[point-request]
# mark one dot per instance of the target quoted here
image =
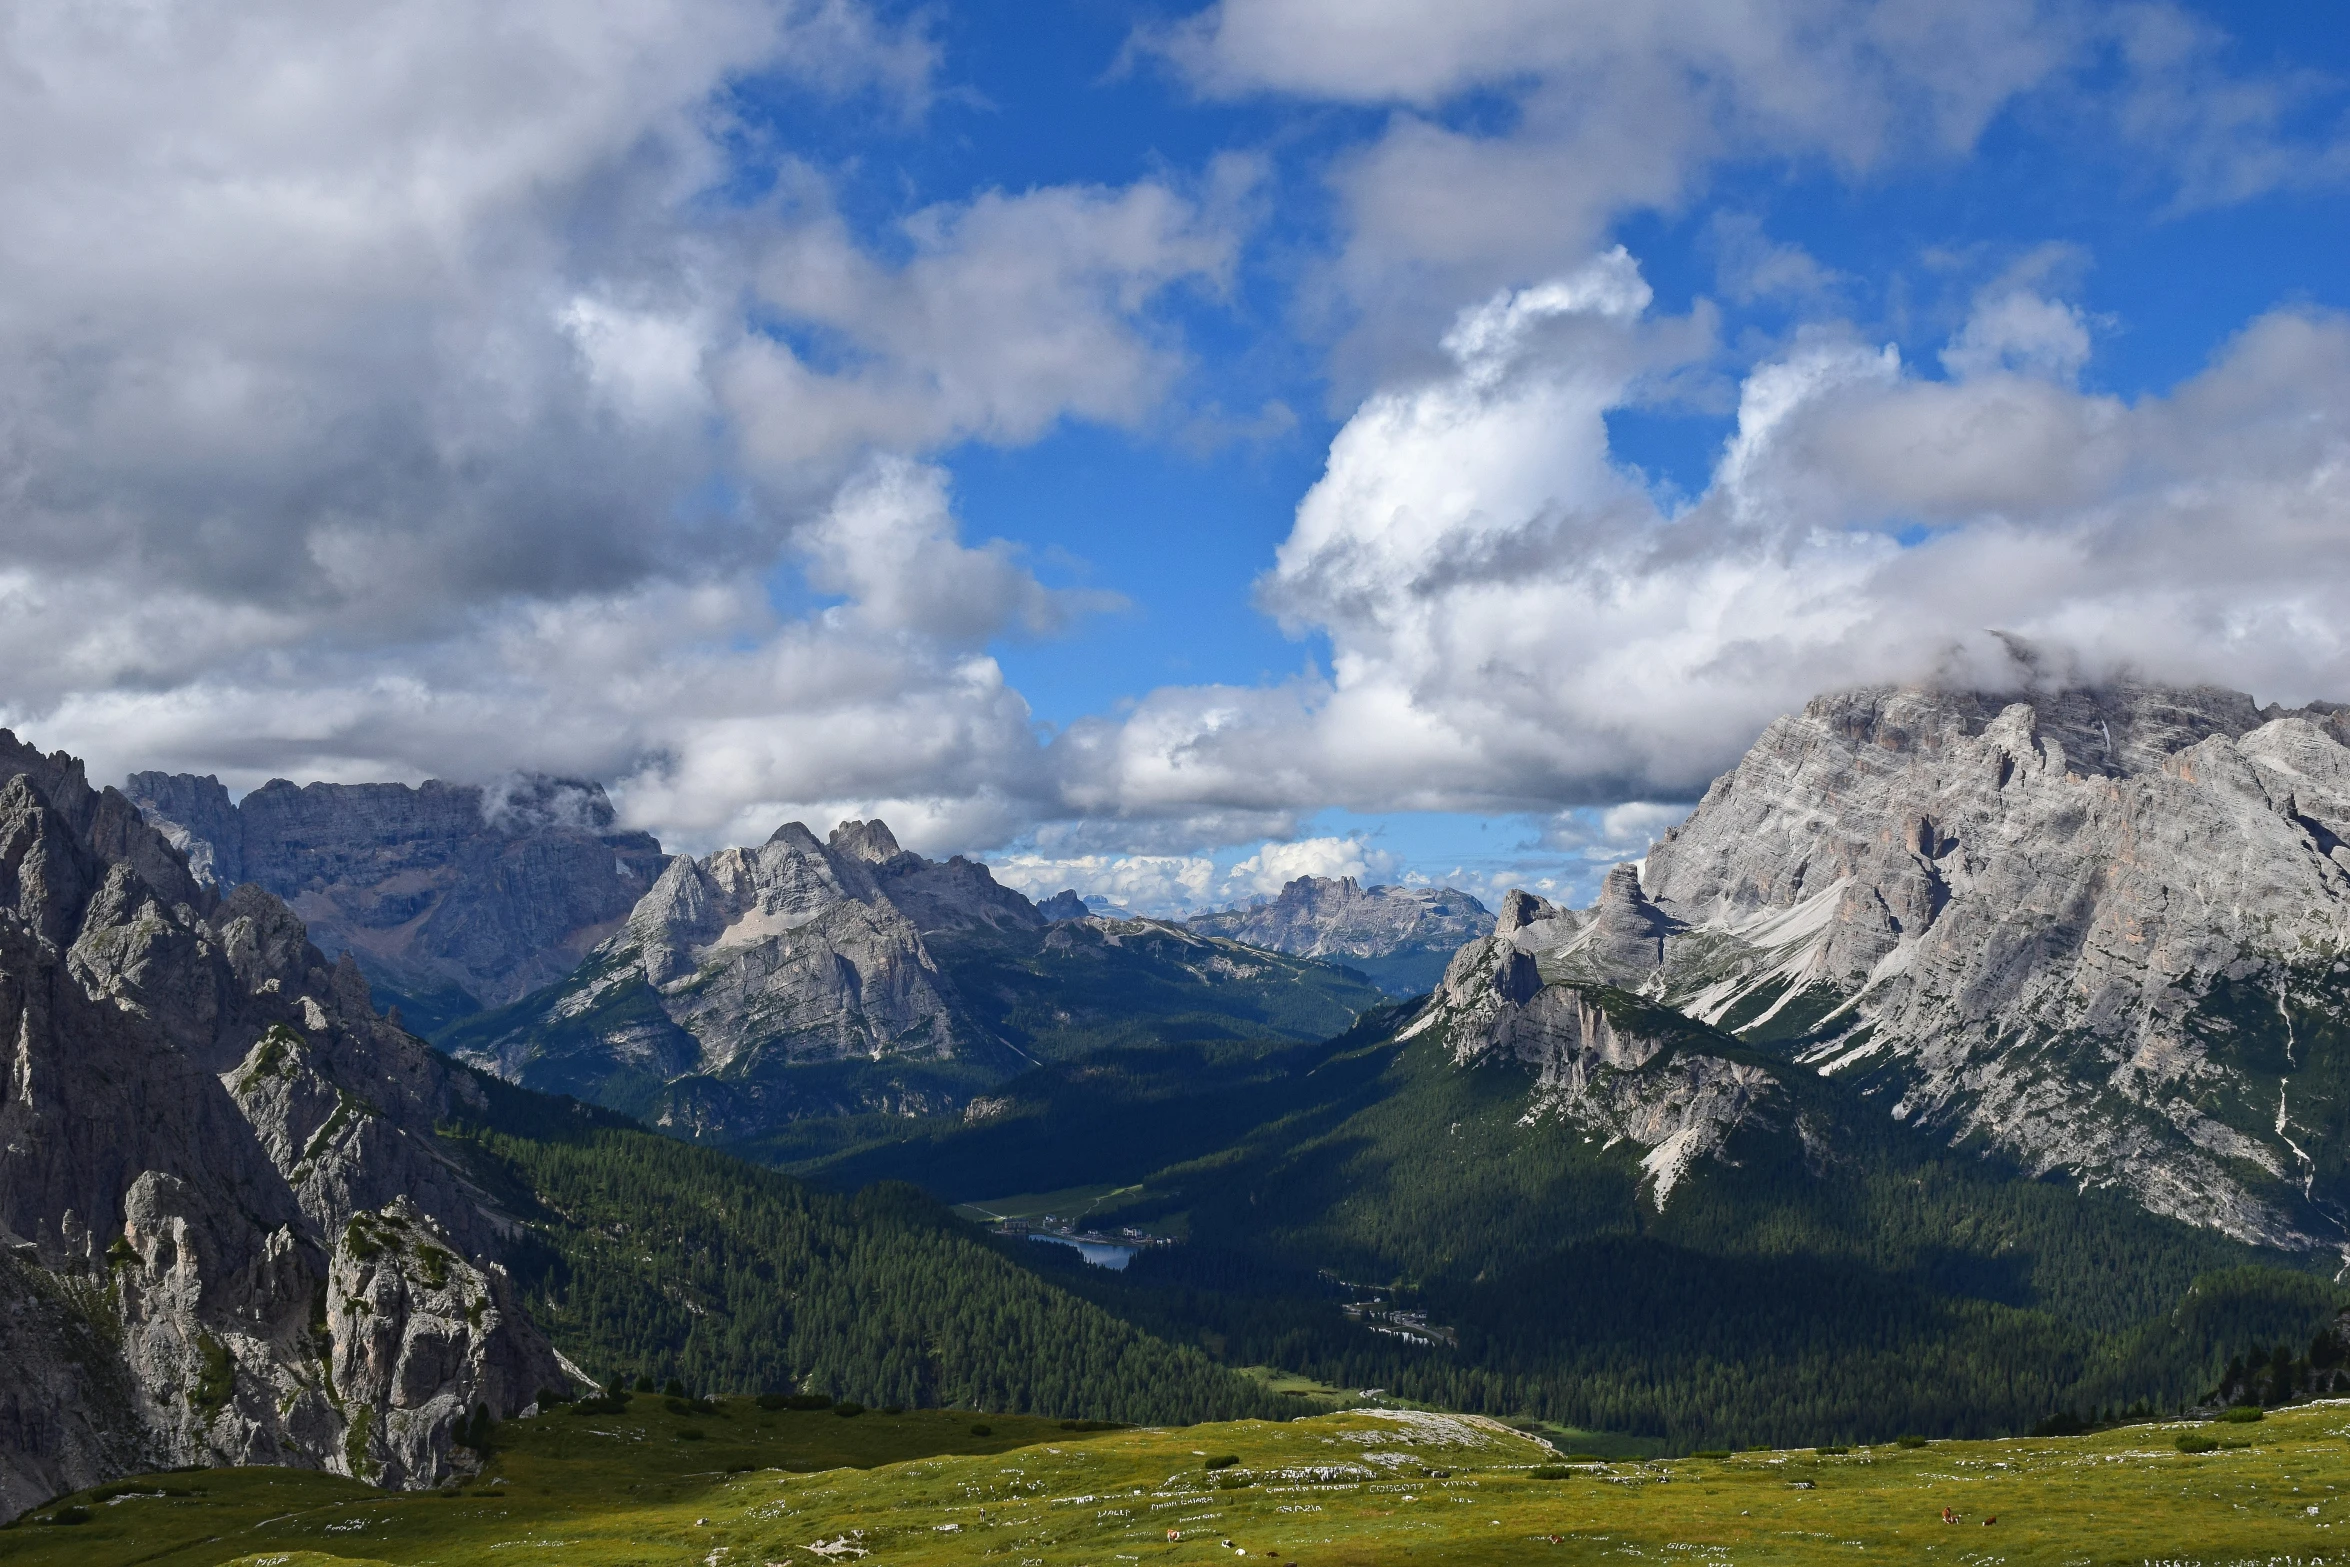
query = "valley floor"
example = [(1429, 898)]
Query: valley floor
[(1358, 1487)]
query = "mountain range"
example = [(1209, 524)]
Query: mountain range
[(1998, 1033), (2100, 931), (244, 1219), (1963, 1057), (1402, 937)]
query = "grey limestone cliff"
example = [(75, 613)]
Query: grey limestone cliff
[(200, 1110), (451, 897), (2100, 931), (1401, 937), (1601, 1062)]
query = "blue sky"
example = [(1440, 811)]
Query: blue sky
[(1162, 447)]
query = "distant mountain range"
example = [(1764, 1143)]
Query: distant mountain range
[(823, 977), (1401, 937), (726, 996), (1963, 1057)]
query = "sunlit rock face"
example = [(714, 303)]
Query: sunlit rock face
[(198, 1107), (2101, 931)]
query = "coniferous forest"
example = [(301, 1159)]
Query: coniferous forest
[(651, 1257)]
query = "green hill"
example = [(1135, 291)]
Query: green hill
[(732, 1482)]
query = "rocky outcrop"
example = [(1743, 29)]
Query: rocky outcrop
[(1620, 940), (1600, 1061), (1401, 937), (2102, 931), (452, 897), (198, 1104)]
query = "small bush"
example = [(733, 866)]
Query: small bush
[(1552, 1472), (1909, 1441), (1236, 1480), (983, 1430), (671, 1389), (1712, 1452), (475, 1433), (68, 1515), (1831, 1452), (1092, 1425), (846, 1409), (600, 1404), (774, 1401), (1225, 1462), (2196, 1442), (689, 1433), (1585, 1458), (678, 1406), (893, 1410), (216, 1382), (807, 1401), (644, 1384), (2242, 1415)]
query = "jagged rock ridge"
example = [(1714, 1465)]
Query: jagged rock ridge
[(229, 1234), (1401, 936), (2102, 931), (454, 897)]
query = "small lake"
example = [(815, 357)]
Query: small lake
[(1100, 1253)]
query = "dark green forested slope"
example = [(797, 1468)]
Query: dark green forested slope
[(1843, 1278), (646, 1255)]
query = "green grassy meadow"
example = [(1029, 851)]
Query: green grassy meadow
[(1357, 1487)]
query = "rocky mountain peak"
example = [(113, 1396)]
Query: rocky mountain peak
[(1064, 905), (870, 841), (796, 837), (1600, 1062), (2097, 928), (1521, 909), (749, 962)]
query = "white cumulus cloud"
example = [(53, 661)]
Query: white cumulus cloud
[(1515, 624)]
